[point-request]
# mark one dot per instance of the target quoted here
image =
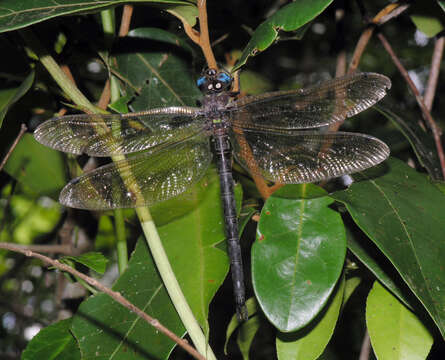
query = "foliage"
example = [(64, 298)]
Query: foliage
[(390, 219)]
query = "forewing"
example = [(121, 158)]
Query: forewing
[(140, 180), (312, 107), (105, 135), (306, 156)]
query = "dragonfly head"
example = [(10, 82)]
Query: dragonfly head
[(212, 81)]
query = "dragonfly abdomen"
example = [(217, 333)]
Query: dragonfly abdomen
[(224, 159)]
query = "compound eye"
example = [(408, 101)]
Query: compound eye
[(224, 78), (201, 81)]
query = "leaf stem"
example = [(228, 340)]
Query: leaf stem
[(150, 231), (171, 283)]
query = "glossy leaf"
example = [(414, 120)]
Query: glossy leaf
[(154, 66), (18, 14), (190, 242), (395, 332), (93, 260), (288, 18), (10, 96), (297, 258), (105, 329), (38, 167), (405, 220), (421, 142), (308, 344), (54, 342)]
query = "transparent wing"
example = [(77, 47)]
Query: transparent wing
[(105, 135), (312, 107), (143, 179), (306, 156)]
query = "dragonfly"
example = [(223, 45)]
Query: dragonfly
[(278, 136)]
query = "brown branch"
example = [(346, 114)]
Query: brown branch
[(366, 347), (204, 38), (125, 20), (360, 48), (113, 294), (434, 72), (191, 33), (66, 69), (50, 249), (23, 129), (246, 153), (201, 37), (388, 12), (105, 96), (425, 112)]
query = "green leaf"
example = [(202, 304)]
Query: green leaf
[(288, 18), (11, 95), (308, 344), (350, 286), (54, 342), (246, 334), (105, 329), (154, 66), (403, 214), (186, 13), (92, 260), (395, 332), (377, 264), (31, 219), (191, 244), (297, 258), (38, 167), (18, 14), (252, 309), (428, 17)]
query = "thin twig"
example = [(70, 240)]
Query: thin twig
[(366, 347), (113, 294), (204, 38), (105, 96), (50, 249), (23, 129), (425, 112), (125, 20), (388, 12), (191, 33), (434, 72)]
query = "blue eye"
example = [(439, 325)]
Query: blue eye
[(224, 77), (200, 81)]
